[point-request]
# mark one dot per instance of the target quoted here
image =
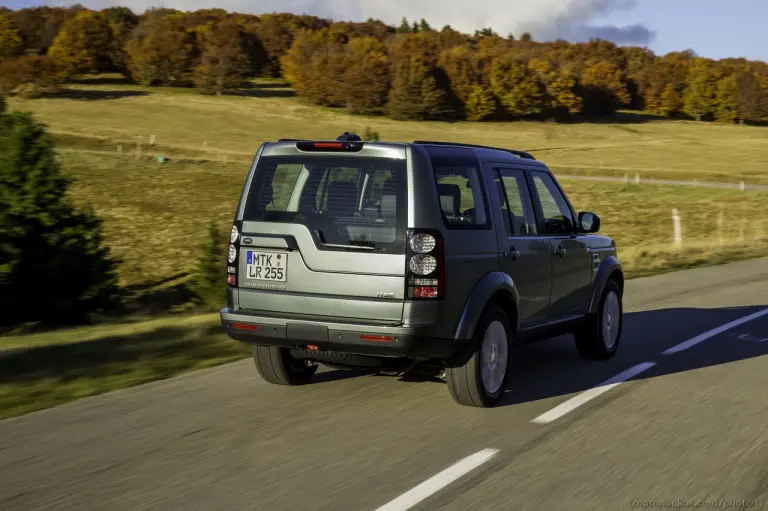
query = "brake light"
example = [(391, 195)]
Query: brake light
[(342, 147), (425, 270)]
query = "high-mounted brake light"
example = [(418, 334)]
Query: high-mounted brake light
[(425, 270), (341, 147)]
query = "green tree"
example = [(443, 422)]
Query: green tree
[(481, 104), (83, 45), (405, 27), (11, 45), (671, 101), (424, 26), (224, 63), (208, 284), (53, 265), (562, 96), (700, 96)]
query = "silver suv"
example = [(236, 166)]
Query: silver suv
[(423, 256)]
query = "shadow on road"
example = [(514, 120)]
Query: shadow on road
[(554, 368)]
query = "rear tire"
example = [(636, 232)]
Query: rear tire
[(277, 366), (599, 338), (482, 381)]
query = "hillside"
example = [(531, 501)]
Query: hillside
[(149, 206)]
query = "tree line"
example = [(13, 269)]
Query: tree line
[(412, 71)]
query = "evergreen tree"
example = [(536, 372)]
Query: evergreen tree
[(53, 266), (209, 282), (404, 27)]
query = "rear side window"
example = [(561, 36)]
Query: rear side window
[(344, 201), (459, 187)]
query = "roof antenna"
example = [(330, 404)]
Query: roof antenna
[(349, 137)]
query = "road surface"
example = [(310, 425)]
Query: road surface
[(692, 427)]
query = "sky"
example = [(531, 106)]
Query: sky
[(712, 28)]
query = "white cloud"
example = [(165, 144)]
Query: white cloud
[(545, 19)]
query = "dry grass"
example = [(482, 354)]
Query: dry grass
[(59, 367), (155, 213)]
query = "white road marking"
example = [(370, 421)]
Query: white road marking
[(592, 393), (439, 481), (715, 331)]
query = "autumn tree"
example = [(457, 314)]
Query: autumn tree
[(366, 78), (671, 102), (83, 44), (29, 76), (603, 88), (740, 98), (224, 63), (518, 87), (10, 39), (122, 21), (39, 26), (700, 96), (165, 56), (420, 88)]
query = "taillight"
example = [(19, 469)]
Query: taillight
[(425, 265), (232, 254)]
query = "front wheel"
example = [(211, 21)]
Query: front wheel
[(277, 366), (482, 381), (599, 338)]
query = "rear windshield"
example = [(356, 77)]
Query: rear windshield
[(345, 201)]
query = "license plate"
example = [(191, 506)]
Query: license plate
[(271, 266)]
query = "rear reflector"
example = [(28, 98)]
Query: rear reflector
[(312, 347), (244, 326), (376, 338), (231, 280)]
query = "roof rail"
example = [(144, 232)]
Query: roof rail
[(521, 154)]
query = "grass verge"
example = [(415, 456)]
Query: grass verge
[(45, 370)]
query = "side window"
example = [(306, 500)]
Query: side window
[(557, 215), (517, 206), (461, 195)]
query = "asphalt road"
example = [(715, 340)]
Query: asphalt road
[(693, 427)]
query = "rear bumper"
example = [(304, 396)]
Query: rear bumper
[(361, 339)]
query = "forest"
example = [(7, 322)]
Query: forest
[(407, 72)]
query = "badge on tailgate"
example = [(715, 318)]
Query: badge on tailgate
[(270, 266)]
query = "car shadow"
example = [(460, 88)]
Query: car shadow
[(553, 367)]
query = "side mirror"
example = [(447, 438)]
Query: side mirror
[(589, 222)]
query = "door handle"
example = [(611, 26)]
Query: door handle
[(560, 251), (514, 254)]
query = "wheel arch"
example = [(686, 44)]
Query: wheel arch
[(495, 288), (610, 269)]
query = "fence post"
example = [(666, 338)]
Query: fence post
[(676, 231), (742, 187), (152, 140), (637, 179)]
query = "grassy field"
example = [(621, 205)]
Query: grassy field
[(156, 213)]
